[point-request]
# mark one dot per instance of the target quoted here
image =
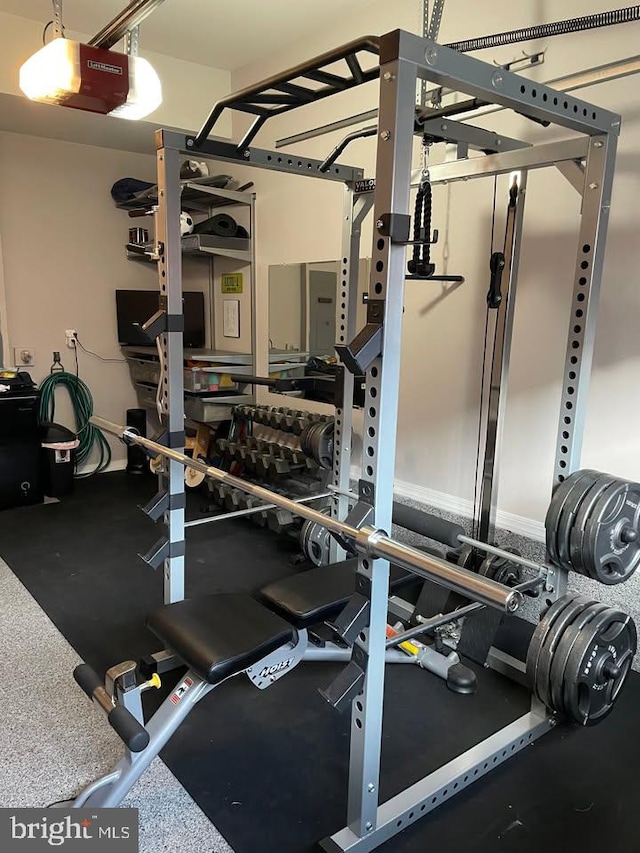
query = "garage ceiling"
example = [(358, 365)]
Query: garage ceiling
[(222, 33)]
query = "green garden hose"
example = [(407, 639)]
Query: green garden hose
[(89, 436)]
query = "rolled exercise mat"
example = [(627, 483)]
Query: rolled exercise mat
[(220, 225)]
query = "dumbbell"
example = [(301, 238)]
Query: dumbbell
[(276, 417), (277, 467), (248, 501), (279, 520), (232, 500), (219, 491)]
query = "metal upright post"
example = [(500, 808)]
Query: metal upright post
[(356, 208), (255, 366), (171, 343), (596, 203), (385, 306)]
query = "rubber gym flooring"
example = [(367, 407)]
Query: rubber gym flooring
[(269, 768)]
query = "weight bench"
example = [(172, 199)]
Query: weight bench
[(219, 636)]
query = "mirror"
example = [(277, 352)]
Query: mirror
[(302, 308)]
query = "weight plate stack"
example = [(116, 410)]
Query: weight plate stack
[(546, 658), (560, 654), (576, 495), (593, 526), (576, 534), (579, 657), (552, 519)]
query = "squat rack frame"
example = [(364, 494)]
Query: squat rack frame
[(588, 161)]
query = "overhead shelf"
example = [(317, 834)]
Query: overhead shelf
[(196, 196), (238, 248)]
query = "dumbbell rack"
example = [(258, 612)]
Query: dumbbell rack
[(268, 451)]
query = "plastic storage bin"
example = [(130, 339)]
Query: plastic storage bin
[(207, 380), (59, 446)]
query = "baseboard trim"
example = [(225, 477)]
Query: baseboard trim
[(461, 506), (114, 465)]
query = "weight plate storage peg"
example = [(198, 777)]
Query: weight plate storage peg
[(611, 546)]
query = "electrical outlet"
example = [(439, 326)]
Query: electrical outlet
[(24, 356), (71, 335)]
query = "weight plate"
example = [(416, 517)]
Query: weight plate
[(466, 558), (540, 635), (501, 569), (563, 650), (576, 534), (611, 547), (576, 495), (598, 666), (193, 478), (546, 658), (555, 508)]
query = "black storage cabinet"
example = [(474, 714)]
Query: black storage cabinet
[(20, 469)]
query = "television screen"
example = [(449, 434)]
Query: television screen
[(135, 307)]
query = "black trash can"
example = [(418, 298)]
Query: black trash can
[(58, 459)]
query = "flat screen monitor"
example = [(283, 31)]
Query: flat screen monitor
[(135, 307)]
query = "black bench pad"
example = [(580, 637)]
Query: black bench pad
[(319, 594), (219, 635)]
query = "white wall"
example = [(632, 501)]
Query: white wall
[(300, 220)]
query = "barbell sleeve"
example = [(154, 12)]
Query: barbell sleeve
[(368, 541), (455, 578)]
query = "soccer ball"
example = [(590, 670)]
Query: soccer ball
[(186, 224)]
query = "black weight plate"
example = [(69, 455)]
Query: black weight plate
[(540, 635), (563, 650), (571, 505), (595, 517), (608, 558), (573, 611), (553, 513), (576, 535), (555, 508), (590, 689), (493, 564)]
